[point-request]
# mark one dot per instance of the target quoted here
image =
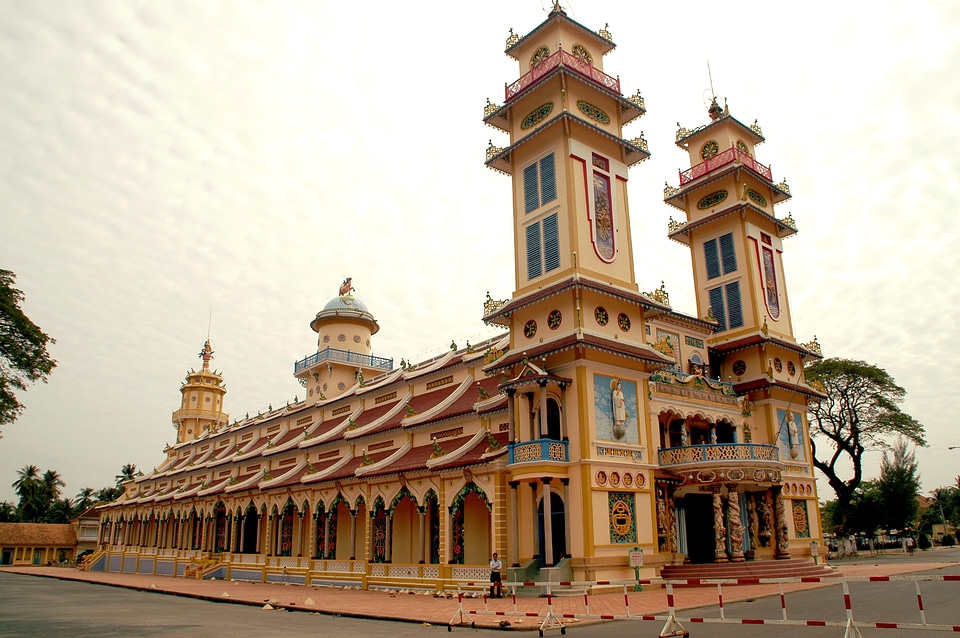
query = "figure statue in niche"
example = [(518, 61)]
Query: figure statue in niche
[(684, 437), (346, 287), (793, 436), (619, 409)]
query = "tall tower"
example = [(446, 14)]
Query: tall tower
[(201, 401), (578, 357), (736, 245)]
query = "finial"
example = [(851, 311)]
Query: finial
[(206, 354), (346, 287)]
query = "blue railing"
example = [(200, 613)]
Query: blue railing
[(718, 452), (539, 450), (343, 356)]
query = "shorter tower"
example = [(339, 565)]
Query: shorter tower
[(201, 401), (344, 328)]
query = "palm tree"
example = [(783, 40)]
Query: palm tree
[(8, 512), (127, 473), (52, 482), (61, 511), (85, 499), (28, 487)]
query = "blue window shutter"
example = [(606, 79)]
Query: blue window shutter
[(548, 180), (531, 188), (551, 243), (716, 304), (734, 309), (534, 268), (728, 254), (713, 262)]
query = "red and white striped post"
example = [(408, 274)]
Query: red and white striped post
[(851, 630)]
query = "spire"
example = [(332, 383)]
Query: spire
[(206, 354)]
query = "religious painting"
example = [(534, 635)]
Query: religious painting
[(602, 217), (623, 518), (790, 435), (669, 344), (769, 273), (801, 520), (616, 409)]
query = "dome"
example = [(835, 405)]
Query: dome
[(346, 302)]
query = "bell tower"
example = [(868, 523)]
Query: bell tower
[(201, 401)]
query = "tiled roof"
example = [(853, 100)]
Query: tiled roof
[(37, 535)]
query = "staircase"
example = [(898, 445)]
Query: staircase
[(789, 568)]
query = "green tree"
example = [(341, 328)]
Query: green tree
[(861, 412), (60, 511), (127, 473), (8, 512), (29, 487), (865, 514), (23, 350), (899, 486), (84, 499)]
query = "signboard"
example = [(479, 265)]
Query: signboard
[(636, 557)]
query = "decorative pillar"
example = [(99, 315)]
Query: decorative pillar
[(673, 531), (326, 535), (753, 524), (720, 530), (547, 522), (564, 434), (371, 550), (536, 530), (543, 410), (736, 525), (511, 416), (243, 529), (388, 538), (566, 515), (422, 515), (513, 549), (296, 550), (780, 523), (353, 535)]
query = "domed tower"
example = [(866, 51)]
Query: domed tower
[(343, 358), (201, 402)]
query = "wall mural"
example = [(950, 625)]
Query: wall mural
[(770, 283), (790, 435), (623, 519), (602, 217), (615, 405)]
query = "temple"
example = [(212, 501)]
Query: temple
[(599, 421)]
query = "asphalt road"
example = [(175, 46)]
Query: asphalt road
[(31, 606)]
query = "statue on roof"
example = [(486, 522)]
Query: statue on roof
[(346, 287), (206, 354)]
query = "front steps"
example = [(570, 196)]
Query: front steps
[(789, 568)]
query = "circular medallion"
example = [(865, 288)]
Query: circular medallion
[(601, 478), (340, 386), (739, 367), (736, 474), (778, 364), (326, 338), (709, 149), (600, 314), (341, 337), (624, 322), (356, 338), (627, 479), (742, 147), (324, 387), (530, 329), (615, 479), (641, 479), (621, 518), (791, 369), (593, 112), (555, 319)]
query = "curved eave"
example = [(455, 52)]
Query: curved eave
[(766, 382), (576, 282), (514, 384), (682, 233), (758, 338), (606, 45), (755, 137), (593, 342), (348, 315), (501, 161), (676, 199)]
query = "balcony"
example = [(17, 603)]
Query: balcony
[(343, 356), (720, 160), (539, 450), (735, 454), (568, 61)]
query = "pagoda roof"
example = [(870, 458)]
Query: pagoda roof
[(680, 232), (555, 15), (645, 353), (752, 132), (766, 382), (757, 338)]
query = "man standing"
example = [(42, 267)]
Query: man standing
[(496, 585)]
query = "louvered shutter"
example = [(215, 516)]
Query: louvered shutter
[(551, 243), (548, 180), (713, 261), (734, 309), (531, 188), (534, 268), (716, 304), (728, 254)]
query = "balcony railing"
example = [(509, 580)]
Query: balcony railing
[(722, 452), (568, 60), (343, 356), (539, 450), (722, 159)]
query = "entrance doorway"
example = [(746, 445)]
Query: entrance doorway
[(701, 539), (559, 530)]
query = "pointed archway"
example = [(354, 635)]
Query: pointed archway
[(558, 531)]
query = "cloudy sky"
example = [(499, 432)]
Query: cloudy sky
[(163, 163)]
